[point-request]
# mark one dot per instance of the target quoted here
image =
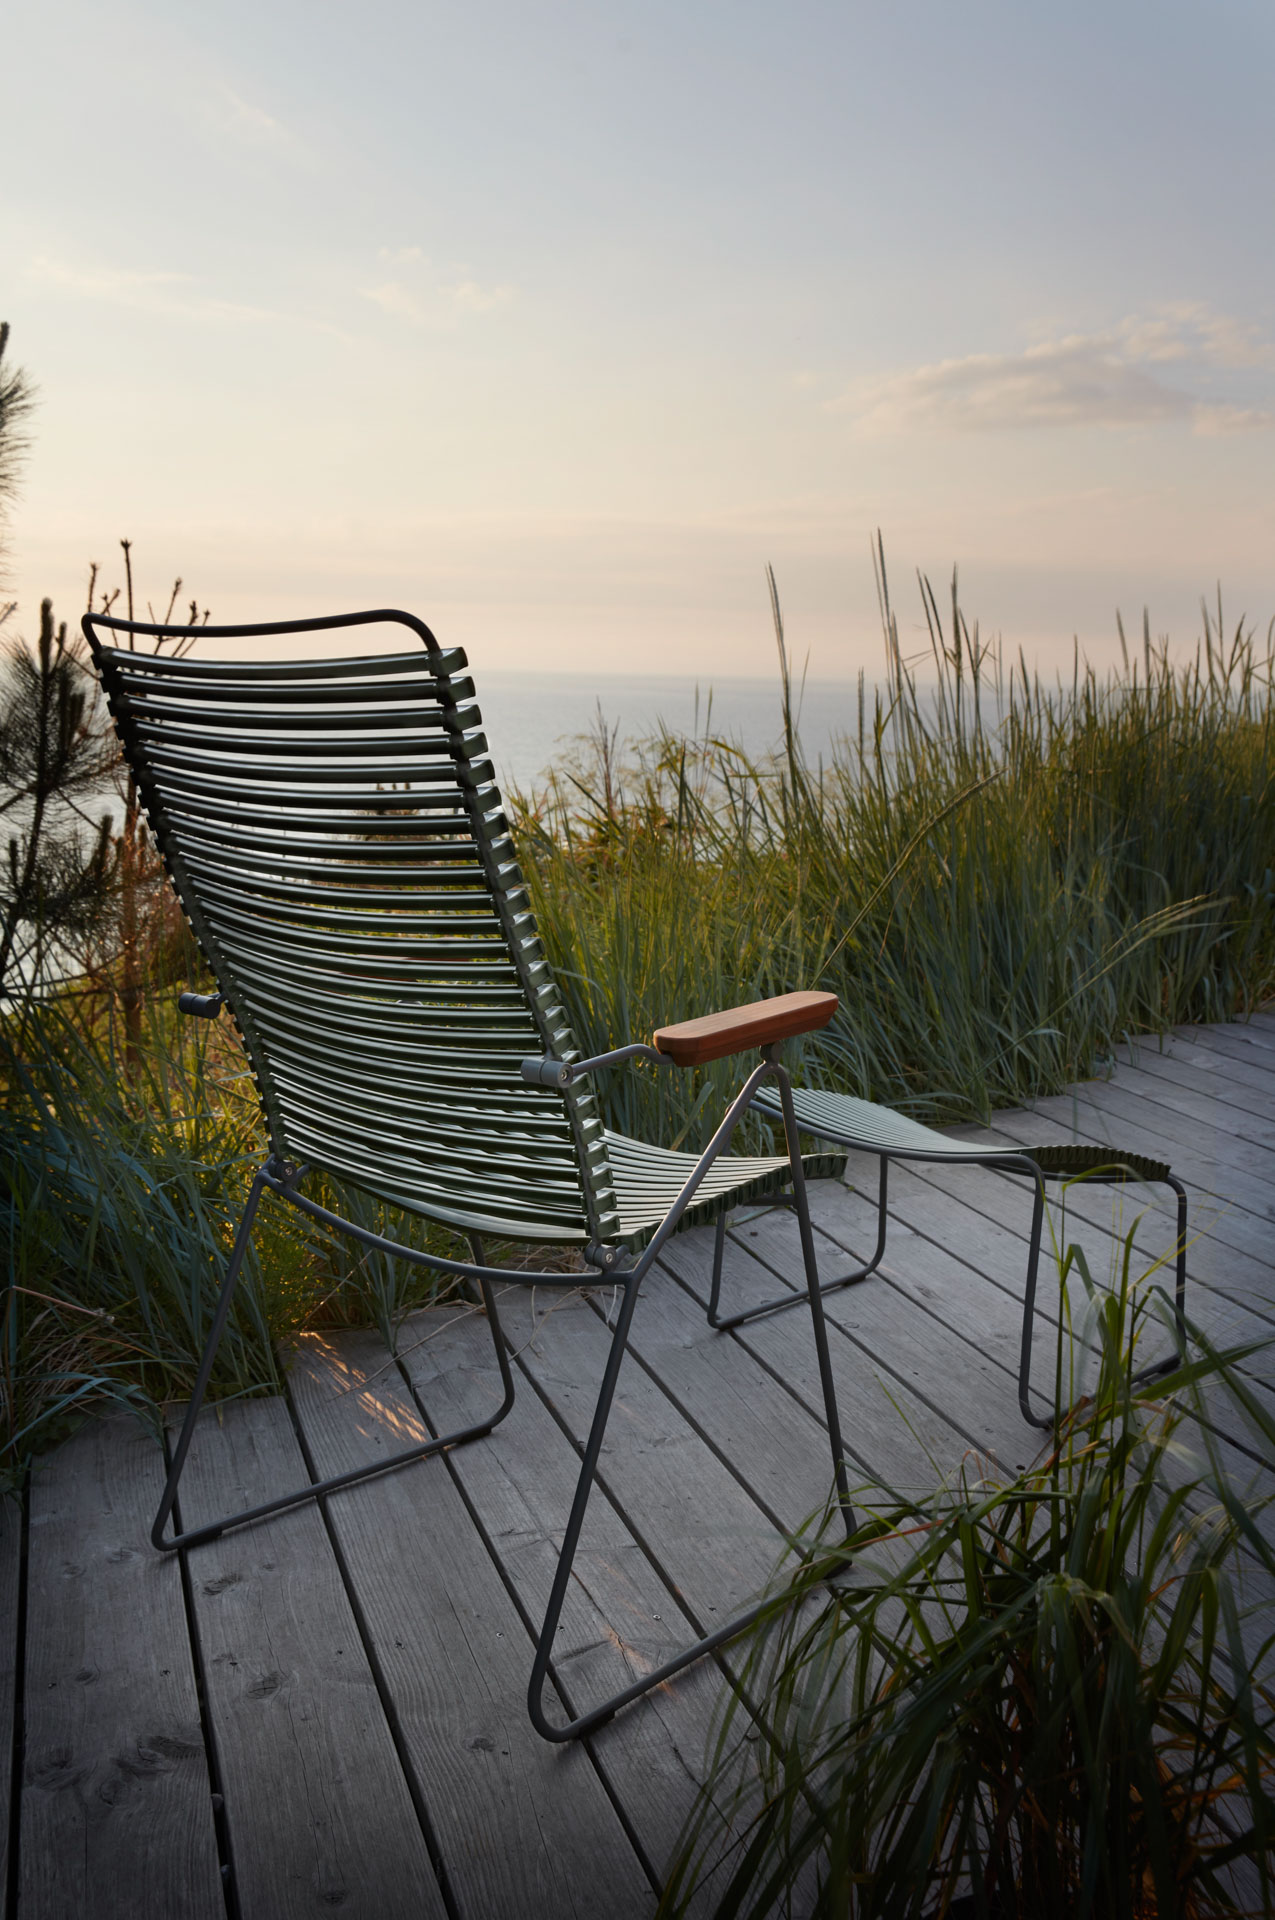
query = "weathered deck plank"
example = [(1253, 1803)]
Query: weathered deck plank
[(117, 1813), (1233, 1040), (318, 1811), (619, 1616), (515, 1819), (890, 1434), (1236, 1082), (1202, 1153), (761, 1430), (1098, 1218), (977, 1216), (10, 1603), (1226, 1201), (1201, 1102), (988, 1317), (709, 1538), (915, 1350), (365, 1668)]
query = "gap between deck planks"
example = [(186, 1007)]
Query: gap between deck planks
[(363, 1667)]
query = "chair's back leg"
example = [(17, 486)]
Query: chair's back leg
[(719, 1255), (238, 1254), (806, 1232), (1179, 1291), (883, 1201)]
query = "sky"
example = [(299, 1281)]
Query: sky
[(556, 323)]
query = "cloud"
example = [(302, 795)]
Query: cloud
[(432, 302), (229, 116), (393, 297), (253, 124), (466, 296), (415, 295), (176, 296), (1108, 379), (1187, 330)]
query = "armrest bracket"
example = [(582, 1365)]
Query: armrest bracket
[(548, 1072)]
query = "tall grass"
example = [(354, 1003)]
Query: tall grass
[(997, 875), (124, 1169)]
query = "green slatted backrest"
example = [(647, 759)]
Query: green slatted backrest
[(335, 834)]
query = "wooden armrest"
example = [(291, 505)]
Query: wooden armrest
[(692, 1042)]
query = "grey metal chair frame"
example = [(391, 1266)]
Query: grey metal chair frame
[(163, 740), (817, 1113)]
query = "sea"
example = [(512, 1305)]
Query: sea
[(534, 720)]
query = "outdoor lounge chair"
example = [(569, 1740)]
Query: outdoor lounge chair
[(335, 835), (862, 1126)]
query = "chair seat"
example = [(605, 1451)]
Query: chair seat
[(647, 1180), (874, 1129)]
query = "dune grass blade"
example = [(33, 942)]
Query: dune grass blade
[(999, 877), (121, 1193), (1049, 1695)]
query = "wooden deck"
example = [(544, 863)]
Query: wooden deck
[(325, 1713)]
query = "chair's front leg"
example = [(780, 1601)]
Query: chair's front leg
[(598, 1716), (1155, 1367), (1178, 1355), (724, 1324), (488, 1298), (1029, 1299), (807, 1237), (1179, 1291), (584, 1723), (719, 1255), (631, 1282)]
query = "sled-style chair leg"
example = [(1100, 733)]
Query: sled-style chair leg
[(724, 1322), (1029, 1307), (864, 1126), (209, 1530), (1155, 1368), (586, 1722)]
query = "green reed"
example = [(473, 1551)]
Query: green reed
[(1051, 1694), (122, 1183), (998, 876)]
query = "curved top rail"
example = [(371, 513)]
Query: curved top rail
[(321, 624), (365, 919)]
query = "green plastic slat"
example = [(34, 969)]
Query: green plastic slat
[(336, 836)]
